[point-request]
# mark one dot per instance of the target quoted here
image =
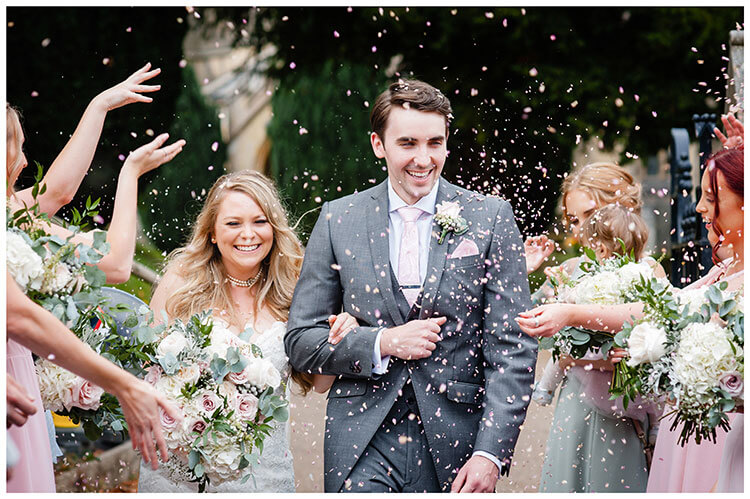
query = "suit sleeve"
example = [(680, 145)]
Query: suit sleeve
[(318, 294), (509, 354)]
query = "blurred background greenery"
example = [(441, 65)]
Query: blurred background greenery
[(527, 86)]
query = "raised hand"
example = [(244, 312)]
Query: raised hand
[(20, 405), (150, 156), (544, 320), (537, 249), (413, 340), (141, 405), (129, 90), (340, 326), (735, 132)]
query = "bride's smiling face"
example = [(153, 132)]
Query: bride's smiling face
[(243, 235)]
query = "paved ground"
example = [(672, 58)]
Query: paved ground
[(307, 427)]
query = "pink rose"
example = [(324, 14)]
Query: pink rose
[(86, 395), (167, 422), (247, 406), (239, 378), (209, 402), (153, 375), (732, 383), (198, 426)]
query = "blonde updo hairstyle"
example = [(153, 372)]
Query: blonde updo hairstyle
[(606, 183), (613, 223), (14, 146)]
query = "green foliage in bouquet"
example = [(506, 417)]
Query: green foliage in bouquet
[(700, 410), (64, 279)]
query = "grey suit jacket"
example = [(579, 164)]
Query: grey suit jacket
[(474, 389)]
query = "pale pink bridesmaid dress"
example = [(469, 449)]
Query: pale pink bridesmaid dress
[(34, 472), (692, 468)]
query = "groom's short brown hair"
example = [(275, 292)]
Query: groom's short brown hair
[(414, 94)]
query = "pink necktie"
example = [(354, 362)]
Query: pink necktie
[(408, 256)]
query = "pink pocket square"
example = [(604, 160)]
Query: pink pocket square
[(467, 247)]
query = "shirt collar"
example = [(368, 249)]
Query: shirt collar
[(426, 203)]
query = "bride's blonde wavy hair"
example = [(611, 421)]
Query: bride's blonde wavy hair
[(199, 263)]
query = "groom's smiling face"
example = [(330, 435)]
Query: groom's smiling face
[(414, 147)]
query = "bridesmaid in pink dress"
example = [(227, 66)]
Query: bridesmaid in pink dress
[(694, 467), (31, 438)]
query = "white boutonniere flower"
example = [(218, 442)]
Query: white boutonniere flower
[(448, 218)]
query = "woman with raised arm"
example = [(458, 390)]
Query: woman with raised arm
[(692, 468), (116, 265), (65, 174), (242, 261)]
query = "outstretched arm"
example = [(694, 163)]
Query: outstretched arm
[(38, 330), (121, 234), (546, 320), (318, 295), (67, 171)]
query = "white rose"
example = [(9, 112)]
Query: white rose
[(174, 344), (22, 262), (601, 288), (220, 340), (262, 373), (228, 390), (169, 386), (448, 208), (646, 344), (188, 374)]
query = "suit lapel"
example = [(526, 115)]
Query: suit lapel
[(377, 223), (438, 252)]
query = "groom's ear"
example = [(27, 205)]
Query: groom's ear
[(377, 145)]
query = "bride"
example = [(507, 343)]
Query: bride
[(242, 261)]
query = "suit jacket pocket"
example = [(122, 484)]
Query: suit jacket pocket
[(464, 262), (347, 388), (465, 393)]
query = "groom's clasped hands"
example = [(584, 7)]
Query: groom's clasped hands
[(413, 340)]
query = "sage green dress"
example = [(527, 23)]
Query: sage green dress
[(589, 451)]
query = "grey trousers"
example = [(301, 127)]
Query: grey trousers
[(397, 459)]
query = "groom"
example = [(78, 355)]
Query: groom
[(433, 386)]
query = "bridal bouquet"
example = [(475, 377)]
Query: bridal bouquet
[(689, 347), (228, 394), (61, 276), (611, 282)]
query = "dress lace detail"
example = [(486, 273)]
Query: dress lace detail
[(274, 472)]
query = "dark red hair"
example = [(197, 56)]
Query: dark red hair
[(731, 163)]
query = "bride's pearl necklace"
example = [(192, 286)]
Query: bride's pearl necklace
[(246, 283)]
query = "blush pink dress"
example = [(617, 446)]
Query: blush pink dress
[(692, 468), (34, 472)]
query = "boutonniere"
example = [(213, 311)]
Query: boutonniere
[(448, 218)]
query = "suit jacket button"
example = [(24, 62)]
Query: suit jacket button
[(355, 367)]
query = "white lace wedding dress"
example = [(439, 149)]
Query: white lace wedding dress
[(274, 473)]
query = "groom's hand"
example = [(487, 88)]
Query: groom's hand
[(479, 474), (413, 340)]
